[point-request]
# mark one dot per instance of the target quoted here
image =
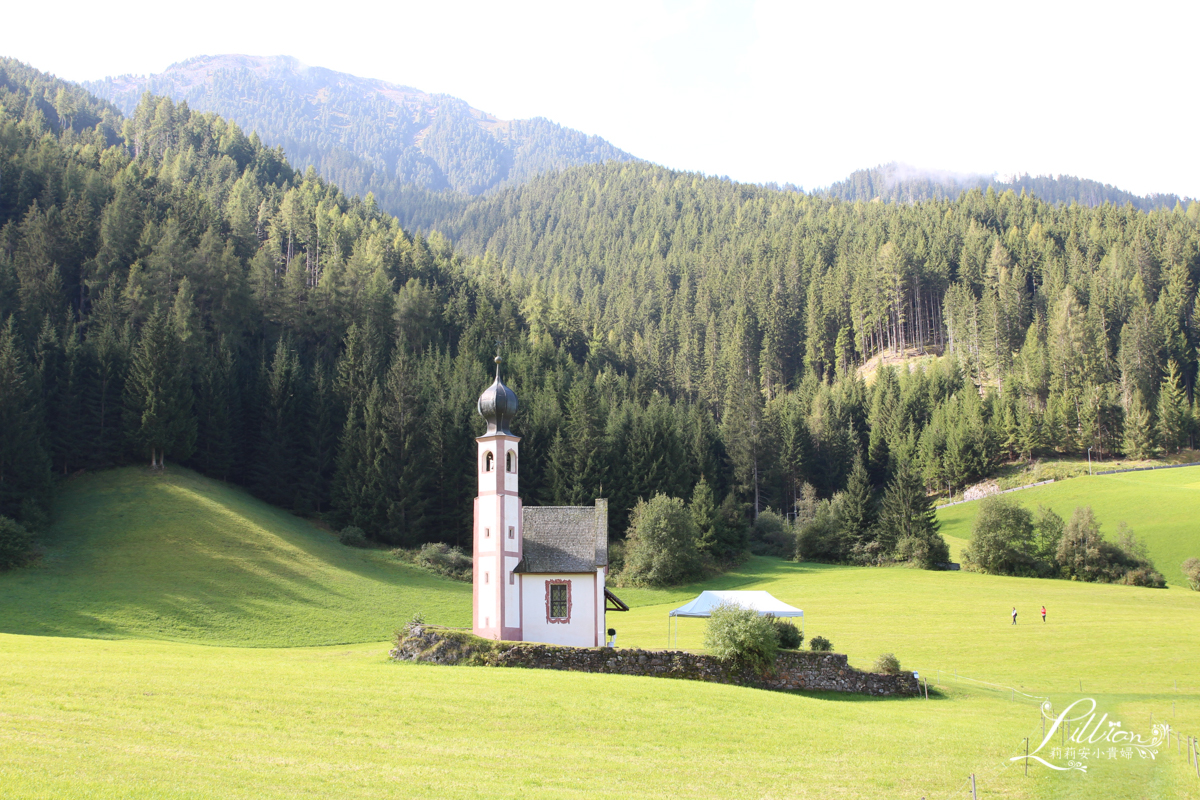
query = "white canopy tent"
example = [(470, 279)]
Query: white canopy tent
[(703, 606)]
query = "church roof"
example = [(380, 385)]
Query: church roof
[(497, 404), (564, 538)]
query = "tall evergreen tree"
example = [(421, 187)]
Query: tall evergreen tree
[(1174, 413), (24, 465), (908, 525), (1138, 441), (855, 513), (158, 396)]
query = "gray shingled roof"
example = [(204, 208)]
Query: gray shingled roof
[(564, 538)]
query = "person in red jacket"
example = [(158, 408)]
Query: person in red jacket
[(1043, 613)]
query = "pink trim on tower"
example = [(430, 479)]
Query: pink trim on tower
[(558, 620)]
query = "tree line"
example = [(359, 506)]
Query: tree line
[(172, 289)]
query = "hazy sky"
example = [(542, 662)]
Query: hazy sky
[(760, 91)]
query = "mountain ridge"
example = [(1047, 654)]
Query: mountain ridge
[(401, 144), (903, 183), (366, 134)]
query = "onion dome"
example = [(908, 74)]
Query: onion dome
[(498, 404)]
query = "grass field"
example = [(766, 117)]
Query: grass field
[(182, 557), (126, 713), (1161, 506)]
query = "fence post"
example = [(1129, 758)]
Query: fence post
[(973, 795), (1026, 756)]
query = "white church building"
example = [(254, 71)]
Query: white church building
[(538, 572)]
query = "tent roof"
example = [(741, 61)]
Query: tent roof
[(762, 602)]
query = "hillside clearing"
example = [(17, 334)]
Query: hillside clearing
[(1162, 507)]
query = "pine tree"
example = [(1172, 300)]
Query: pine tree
[(1138, 442), (406, 477), (323, 432), (1030, 432), (908, 524), (703, 509), (278, 464), (1174, 413), (583, 430), (360, 483), (158, 396), (217, 420), (24, 465), (855, 512)]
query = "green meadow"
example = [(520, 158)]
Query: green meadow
[(186, 558), (175, 642), (1162, 507)]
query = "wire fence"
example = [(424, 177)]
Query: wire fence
[(937, 678), (1143, 469), (988, 775)]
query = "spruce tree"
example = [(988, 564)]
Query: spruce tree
[(703, 509), (158, 396), (405, 475), (323, 418), (855, 511), (24, 465), (908, 525), (1030, 432), (1138, 441), (1174, 413), (278, 464)]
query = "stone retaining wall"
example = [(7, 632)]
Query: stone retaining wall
[(794, 670)]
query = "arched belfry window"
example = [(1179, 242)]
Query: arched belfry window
[(489, 462), (510, 462)]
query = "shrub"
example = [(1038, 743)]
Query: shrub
[(353, 536), (1002, 538), (1191, 571), (1084, 555), (741, 635), (924, 551), (817, 535), (819, 644), (1144, 576), (771, 535), (790, 637), (445, 560), (888, 664), (15, 543), (661, 547)]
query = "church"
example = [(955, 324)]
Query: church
[(539, 572)]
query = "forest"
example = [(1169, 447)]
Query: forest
[(367, 136), (172, 290), (903, 184)]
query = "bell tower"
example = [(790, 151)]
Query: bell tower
[(497, 539)]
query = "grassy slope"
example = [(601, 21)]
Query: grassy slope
[(182, 557), (1162, 507), (1112, 638), (143, 718)]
